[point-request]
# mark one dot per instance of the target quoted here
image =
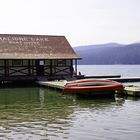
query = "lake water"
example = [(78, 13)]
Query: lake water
[(123, 70), (43, 114)]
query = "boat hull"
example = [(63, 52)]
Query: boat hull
[(97, 87)]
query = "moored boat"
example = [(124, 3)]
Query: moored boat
[(92, 86)]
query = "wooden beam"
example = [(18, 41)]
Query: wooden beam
[(51, 68), (76, 67), (29, 67)]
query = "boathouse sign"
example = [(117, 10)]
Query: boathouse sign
[(23, 41)]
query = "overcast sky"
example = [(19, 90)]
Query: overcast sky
[(83, 22)]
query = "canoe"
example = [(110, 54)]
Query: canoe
[(92, 86)]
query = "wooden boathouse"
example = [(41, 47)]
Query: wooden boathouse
[(24, 57)]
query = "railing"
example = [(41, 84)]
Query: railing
[(61, 71), (32, 71)]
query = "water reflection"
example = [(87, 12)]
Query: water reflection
[(38, 113)]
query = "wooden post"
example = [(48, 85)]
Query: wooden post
[(50, 67), (71, 69), (29, 67), (6, 67), (32, 66), (76, 67)]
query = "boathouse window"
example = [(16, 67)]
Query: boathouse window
[(25, 62), (1, 62), (61, 62), (47, 62), (17, 62), (68, 62), (54, 62)]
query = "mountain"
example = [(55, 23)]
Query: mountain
[(111, 53)]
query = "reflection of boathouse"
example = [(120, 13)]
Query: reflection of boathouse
[(32, 56)]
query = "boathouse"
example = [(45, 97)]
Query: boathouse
[(25, 57)]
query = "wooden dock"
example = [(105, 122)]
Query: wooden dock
[(117, 78), (53, 84), (132, 91), (129, 90), (97, 76), (126, 79)]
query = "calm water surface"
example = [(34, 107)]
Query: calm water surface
[(41, 113)]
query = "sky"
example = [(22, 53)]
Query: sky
[(83, 22)]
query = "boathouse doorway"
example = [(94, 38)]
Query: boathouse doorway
[(40, 67)]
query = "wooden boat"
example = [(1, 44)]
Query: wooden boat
[(93, 86)]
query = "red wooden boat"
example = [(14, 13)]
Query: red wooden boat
[(92, 86)]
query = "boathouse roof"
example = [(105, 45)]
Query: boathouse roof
[(19, 46)]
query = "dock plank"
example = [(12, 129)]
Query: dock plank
[(126, 79), (132, 91), (53, 84)]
